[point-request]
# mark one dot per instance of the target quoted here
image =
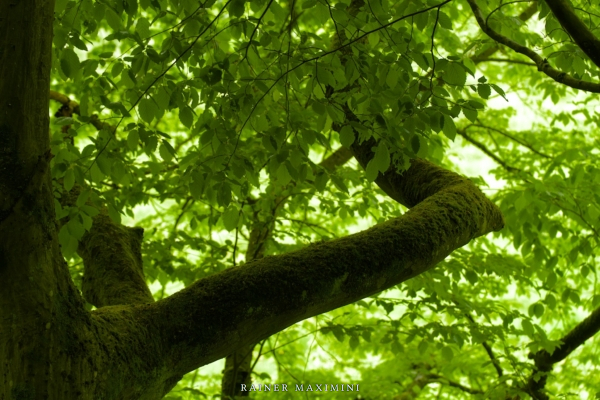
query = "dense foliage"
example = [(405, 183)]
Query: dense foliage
[(201, 121)]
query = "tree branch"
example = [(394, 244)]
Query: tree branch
[(513, 138), (545, 361), (488, 349), (585, 39), (542, 63), (524, 16), (72, 107), (201, 323), (488, 152), (112, 259), (505, 60), (438, 378)]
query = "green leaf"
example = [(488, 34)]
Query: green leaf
[(77, 42), (338, 332), (69, 62), (113, 19), (354, 342), (454, 74), (114, 214), (484, 90), (164, 152), (68, 243), (347, 136), (373, 39), (371, 171), (133, 139), (318, 107), (392, 77), (69, 179), (162, 98), (527, 327), (335, 114), (550, 301), (470, 114), (444, 20), (117, 69), (382, 157), (449, 128), (224, 195), (415, 143), (169, 148), (283, 175), (63, 121), (147, 110), (499, 90), (231, 217), (447, 353), (76, 228), (321, 181), (59, 6), (82, 198), (95, 173), (396, 347), (538, 310), (421, 20), (186, 116), (89, 210), (142, 27), (236, 8)]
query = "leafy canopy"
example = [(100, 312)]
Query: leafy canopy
[(198, 120)]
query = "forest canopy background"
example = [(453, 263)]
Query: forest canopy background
[(214, 116)]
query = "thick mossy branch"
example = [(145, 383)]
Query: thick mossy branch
[(243, 305), (112, 259)]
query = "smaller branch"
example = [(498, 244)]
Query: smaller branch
[(488, 348), (544, 361), (256, 29), (524, 16), (338, 158), (503, 5), (183, 210), (542, 64), (488, 152), (440, 379), (580, 33), (505, 60), (72, 107), (511, 137), (435, 24)]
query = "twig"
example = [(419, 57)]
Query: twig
[(488, 152)]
